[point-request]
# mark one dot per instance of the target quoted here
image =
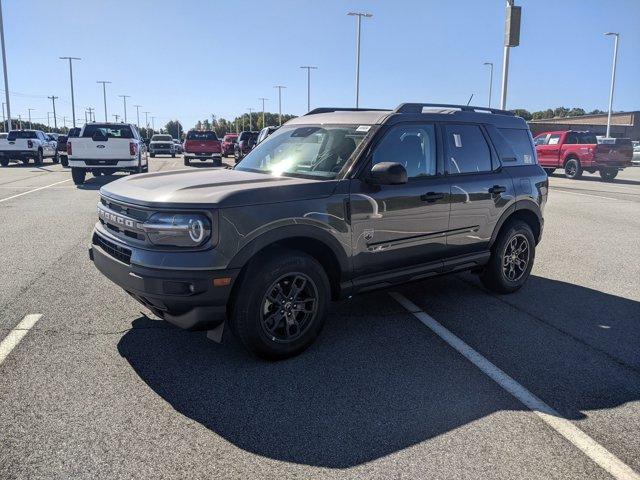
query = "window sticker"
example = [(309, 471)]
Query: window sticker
[(363, 128), (457, 138), (527, 159), (554, 140)]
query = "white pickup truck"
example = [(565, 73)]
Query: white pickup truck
[(106, 148), (26, 144)]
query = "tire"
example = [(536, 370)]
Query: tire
[(608, 174), (56, 158), (573, 169), (25, 161), (4, 162), (270, 335), (40, 158), (78, 175), (186, 162), (173, 155), (549, 171), (152, 155), (145, 169), (507, 269), (64, 160)]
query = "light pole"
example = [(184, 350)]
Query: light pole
[(263, 100), (613, 78), (55, 121), (511, 39), (124, 99), (30, 110), (4, 67), (309, 86), (359, 15), (137, 115), (48, 121), (92, 117), (4, 119), (250, 121), (73, 105), (490, 79), (153, 125), (104, 96), (279, 87), (116, 116)]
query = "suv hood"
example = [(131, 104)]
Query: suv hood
[(196, 188)]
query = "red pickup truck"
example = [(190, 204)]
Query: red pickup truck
[(578, 152), (202, 144)]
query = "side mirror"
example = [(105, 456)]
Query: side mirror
[(387, 173)]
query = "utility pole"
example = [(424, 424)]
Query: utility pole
[(64, 122), (153, 124), (92, 117), (73, 105), (116, 116), (85, 117), (30, 110), (490, 79), (137, 115), (20, 122), (48, 121), (511, 39), (280, 87), (613, 79), (309, 86), (4, 68), (263, 100), (53, 100), (359, 15), (104, 96), (124, 99), (4, 119), (250, 122)]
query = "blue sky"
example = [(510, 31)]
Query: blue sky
[(189, 59)]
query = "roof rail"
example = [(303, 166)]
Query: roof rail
[(346, 109), (417, 108)]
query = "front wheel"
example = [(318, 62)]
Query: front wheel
[(511, 259), (573, 169), (608, 174), (78, 175), (281, 304)]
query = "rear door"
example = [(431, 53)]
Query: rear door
[(480, 188), (397, 226)]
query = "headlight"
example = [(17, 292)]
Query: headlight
[(178, 229)]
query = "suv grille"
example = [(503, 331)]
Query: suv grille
[(116, 251)]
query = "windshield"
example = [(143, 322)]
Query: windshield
[(232, 139), (310, 151), (162, 138)]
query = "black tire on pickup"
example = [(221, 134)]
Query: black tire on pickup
[(56, 158), (281, 304), (186, 162), (4, 162), (64, 160), (78, 175), (512, 257), (608, 174), (573, 169), (39, 158), (173, 155), (152, 155)]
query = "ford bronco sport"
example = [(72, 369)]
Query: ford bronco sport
[(335, 202)]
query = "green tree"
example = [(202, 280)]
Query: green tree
[(521, 112), (174, 128)]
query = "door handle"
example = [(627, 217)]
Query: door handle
[(497, 189), (431, 196)]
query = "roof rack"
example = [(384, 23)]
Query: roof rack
[(417, 108), (332, 109)]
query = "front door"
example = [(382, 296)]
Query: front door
[(396, 226), (549, 151), (480, 188)]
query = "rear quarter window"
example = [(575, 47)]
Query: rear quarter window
[(521, 143)]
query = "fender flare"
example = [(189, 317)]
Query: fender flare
[(286, 232), (519, 205)]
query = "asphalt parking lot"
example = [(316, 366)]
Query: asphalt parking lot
[(100, 388)]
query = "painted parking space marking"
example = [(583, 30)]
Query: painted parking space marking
[(34, 190), (12, 340), (592, 449)]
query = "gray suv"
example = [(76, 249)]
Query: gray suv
[(336, 202)]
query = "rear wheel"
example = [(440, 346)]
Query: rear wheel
[(56, 158), (152, 155), (39, 158), (512, 257), (608, 174), (573, 169), (173, 155), (78, 175), (186, 161), (64, 160), (281, 304), (4, 162)]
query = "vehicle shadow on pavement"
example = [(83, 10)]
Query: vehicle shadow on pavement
[(94, 183), (376, 381)]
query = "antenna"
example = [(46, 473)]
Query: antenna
[(470, 98)]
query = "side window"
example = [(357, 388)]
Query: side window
[(520, 142), (467, 150), (554, 139), (572, 138), (540, 140), (413, 146)]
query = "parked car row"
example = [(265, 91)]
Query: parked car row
[(25, 145)]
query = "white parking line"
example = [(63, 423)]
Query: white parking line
[(34, 190), (13, 339), (592, 449)]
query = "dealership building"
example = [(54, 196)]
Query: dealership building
[(623, 124)]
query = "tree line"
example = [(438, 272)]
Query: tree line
[(222, 126), (559, 112)]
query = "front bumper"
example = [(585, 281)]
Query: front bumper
[(162, 151), (125, 164), (185, 298)]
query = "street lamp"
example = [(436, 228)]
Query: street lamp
[(30, 110), (490, 79), (613, 78), (279, 87), (263, 100), (309, 86), (511, 39), (359, 15), (4, 68), (104, 96), (53, 99), (73, 105), (124, 99)]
